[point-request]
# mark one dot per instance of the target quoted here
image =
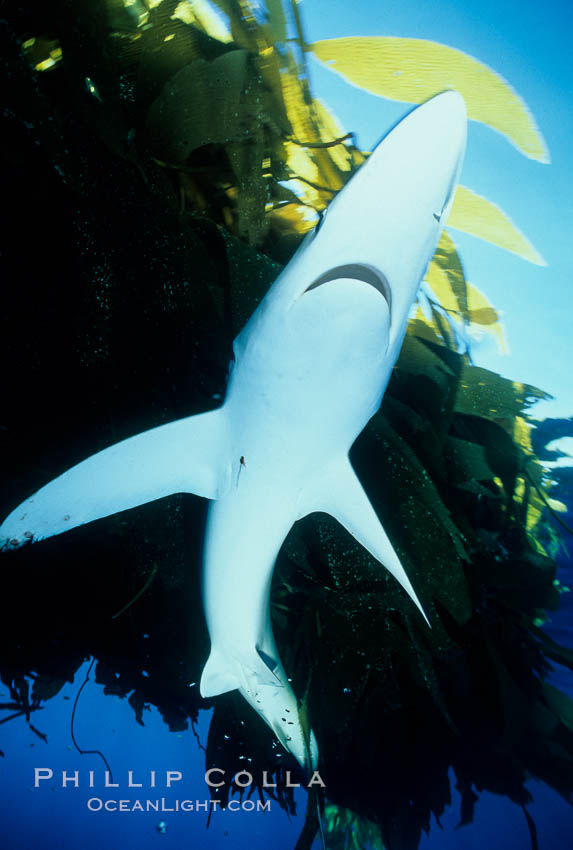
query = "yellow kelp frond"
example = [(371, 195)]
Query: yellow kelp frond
[(533, 502), (290, 218), (268, 63), (240, 17), (330, 130), (473, 214), (446, 277), (311, 124), (134, 11), (462, 300), (481, 312), (298, 106), (44, 54), (184, 12), (306, 176), (413, 70), (201, 14), (522, 434), (557, 505)]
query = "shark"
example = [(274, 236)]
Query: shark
[(308, 371)]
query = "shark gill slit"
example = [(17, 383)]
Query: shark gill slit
[(356, 271)]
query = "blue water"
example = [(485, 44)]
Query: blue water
[(53, 816)]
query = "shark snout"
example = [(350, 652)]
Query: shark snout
[(447, 109), (430, 143), (443, 122), (437, 127)]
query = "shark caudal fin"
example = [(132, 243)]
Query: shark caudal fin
[(263, 682), (339, 493), (190, 455)]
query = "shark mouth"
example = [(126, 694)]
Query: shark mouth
[(356, 271)]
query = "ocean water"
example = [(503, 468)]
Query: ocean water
[(127, 273)]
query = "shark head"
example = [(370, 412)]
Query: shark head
[(338, 312), (382, 227)]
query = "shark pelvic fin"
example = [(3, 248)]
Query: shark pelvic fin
[(339, 493), (190, 455)]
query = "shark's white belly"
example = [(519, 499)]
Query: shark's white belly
[(307, 382), (295, 400)]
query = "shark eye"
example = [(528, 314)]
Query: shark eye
[(356, 271)]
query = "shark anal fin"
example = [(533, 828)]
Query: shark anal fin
[(187, 456), (338, 492)]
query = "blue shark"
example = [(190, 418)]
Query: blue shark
[(309, 370)]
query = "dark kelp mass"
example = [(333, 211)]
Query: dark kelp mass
[(142, 171)]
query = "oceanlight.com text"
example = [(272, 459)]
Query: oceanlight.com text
[(97, 804)]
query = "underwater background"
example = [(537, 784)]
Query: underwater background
[(162, 160)]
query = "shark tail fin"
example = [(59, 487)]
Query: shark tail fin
[(190, 455), (339, 493), (265, 686)]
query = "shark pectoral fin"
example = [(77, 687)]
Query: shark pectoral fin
[(340, 494), (190, 455)]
